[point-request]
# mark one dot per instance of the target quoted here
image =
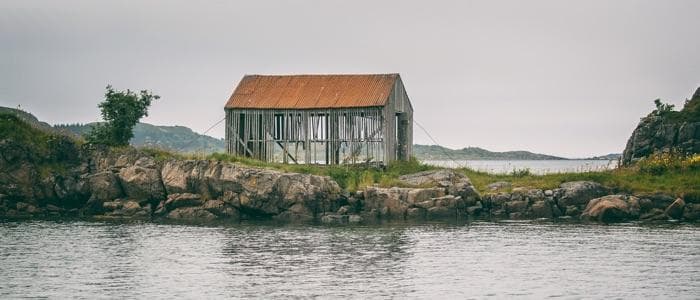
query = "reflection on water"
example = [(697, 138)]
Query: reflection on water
[(78, 259), (534, 166)]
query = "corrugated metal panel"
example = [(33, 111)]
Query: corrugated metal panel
[(312, 91)]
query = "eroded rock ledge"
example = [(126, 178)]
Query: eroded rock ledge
[(132, 185)]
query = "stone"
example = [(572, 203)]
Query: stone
[(474, 210), (654, 214), (675, 209), (541, 209), (440, 213), (579, 193), (572, 211), (453, 182), (516, 206), (420, 194), (691, 212), (141, 183), (549, 193), (53, 208), (191, 214), (499, 185), (516, 216), (334, 219), (182, 200), (344, 210), (612, 208), (111, 205), (416, 213), (353, 219)]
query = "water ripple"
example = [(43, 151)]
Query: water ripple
[(480, 260)]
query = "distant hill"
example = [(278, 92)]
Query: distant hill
[(176, 138), (433, 152), (27, 117), (611, 156)]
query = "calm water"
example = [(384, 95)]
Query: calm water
[(88, 260), (535, 166)]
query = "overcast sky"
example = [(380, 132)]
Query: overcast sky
[(569, 78)]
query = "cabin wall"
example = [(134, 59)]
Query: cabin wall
[(316, 136), (398, 103), (325, 136)]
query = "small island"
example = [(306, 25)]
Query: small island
[(51, 172)]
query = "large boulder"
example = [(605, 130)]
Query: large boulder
[(104, 186), (412, 203), (612, 208), (579, 193), (142, 183), (453, 182), (260, 193)]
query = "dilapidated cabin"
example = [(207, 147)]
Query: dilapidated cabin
[(320, 119)]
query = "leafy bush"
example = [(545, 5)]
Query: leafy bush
[(121, 110)]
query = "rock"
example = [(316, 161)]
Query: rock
[(658, 200), (53, 208), (21, 206), (675, 210), (548, 193), (353, 219), (612, 208), (440, 213), (516, 206), (391, 203), (344, 210), (261, 193), (654, 214), (441, 177), (453, 182), (420, 195), (334, 219), (183, 200), (579, 193), (191, 214), (499, 185), (658, 133), (516, 216), (541, 209), (104, 186), (691, 212), (416, 214), (142, 183), (572, 211), (474, 210)]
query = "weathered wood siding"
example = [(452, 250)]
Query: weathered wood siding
[(324, 136)]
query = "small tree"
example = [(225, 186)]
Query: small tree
[(663, 108), (121, 110)]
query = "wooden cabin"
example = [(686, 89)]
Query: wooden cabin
[(320, 119)]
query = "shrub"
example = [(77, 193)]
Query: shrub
[(121, 110)]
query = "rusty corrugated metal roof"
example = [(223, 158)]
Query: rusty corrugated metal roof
[(312, 91)]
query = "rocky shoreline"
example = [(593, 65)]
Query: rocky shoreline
[(130, 184)]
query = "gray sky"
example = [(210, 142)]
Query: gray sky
[(569, 78)]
